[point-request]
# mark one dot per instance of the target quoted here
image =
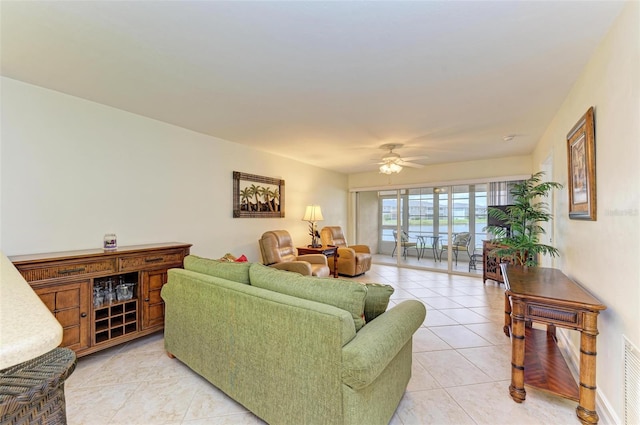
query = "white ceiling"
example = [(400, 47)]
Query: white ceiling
[(325, 83)]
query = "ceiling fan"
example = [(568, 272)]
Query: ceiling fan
[(393, 163)]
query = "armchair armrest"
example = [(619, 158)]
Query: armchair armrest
[(360, 248), (302, 267), (346, 253), (378, 342), (313, 258)]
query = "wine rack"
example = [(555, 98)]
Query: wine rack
[(115, 320)]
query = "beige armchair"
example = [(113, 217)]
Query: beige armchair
[(278, 251), (353, 260)]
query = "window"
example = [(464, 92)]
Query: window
[(424, 214)]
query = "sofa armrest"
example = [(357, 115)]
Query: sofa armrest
[(378, 342), (313, 258), (302, 267), (360, 248)]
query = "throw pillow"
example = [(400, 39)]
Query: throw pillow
[(238, 272), (377, 300), (339, 293)]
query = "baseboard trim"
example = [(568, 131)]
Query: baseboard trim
[(571, 354)]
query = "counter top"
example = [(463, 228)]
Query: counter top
[(27, 328)]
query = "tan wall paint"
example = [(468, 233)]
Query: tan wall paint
[(603, 255), (73, 170)]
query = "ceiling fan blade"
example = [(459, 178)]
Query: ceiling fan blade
[(410, 164), (414, 158)]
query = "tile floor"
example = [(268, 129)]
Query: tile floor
[(460, 369)]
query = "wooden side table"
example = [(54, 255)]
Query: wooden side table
[(327, 250), (547, 296)]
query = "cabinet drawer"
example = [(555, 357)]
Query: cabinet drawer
[(556, 315), (56, 270), (138, 262)]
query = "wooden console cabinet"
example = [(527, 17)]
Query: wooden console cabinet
[(65, 282), (491, 264)]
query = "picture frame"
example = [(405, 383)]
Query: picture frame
[(581, 160), (267, 192)]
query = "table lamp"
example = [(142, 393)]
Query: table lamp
[(312, 214)]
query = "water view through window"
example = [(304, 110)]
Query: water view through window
[(429, 220)]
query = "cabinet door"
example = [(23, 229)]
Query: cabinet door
[(70, 303), (152, 304)]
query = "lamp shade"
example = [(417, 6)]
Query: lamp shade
[(313, 213)]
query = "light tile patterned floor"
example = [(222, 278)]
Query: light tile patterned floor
[(460, 369)]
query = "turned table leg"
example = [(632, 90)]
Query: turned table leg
[(516, 389), (507, 315), (586, 409)]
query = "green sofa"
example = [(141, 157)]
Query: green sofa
[(292, 349)]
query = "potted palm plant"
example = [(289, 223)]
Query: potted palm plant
[(519, 240)]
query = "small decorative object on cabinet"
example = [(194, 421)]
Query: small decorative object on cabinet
[(110, 241), (103, 298)]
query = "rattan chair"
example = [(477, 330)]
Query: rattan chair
[(32, 392)]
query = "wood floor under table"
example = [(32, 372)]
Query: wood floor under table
[(545, 368)]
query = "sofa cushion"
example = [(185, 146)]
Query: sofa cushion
[(340, 293), (377, 300), (238, 272)]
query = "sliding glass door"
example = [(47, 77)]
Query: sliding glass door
[(437, 228)]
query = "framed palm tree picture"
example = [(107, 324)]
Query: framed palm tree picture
[(257, 196)]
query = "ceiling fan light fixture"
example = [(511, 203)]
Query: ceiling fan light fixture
[(390, 168), (391, 156)]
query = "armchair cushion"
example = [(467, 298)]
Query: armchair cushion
[(301, 267), (277, 247), (460, 242), (313, 258)]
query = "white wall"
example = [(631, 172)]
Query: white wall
[(603, 255), (73, 170)]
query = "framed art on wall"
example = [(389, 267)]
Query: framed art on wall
[(257, 196), (581, 159)]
